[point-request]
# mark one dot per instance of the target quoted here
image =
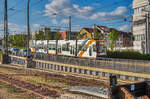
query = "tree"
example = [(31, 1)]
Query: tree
[(113, 37), (97, 35), (79, 36), (39, 36), (49, 35), (67, 35), (18, 40), (56, 36)]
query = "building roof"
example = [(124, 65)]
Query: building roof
[(90, 30), (103, 27), (140, 3)]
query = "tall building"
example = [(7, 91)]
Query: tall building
[(141, 26)]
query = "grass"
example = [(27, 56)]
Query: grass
[(12, 90), (9, 88), (1, 52)]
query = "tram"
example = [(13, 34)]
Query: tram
[(79, 48)]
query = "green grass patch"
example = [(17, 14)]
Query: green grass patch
[(12, 90)]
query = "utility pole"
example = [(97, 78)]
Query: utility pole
[(28, 28), (147, 34), (5, 58), (76, 54), (5, 29), (69, 27)]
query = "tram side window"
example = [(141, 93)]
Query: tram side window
[(90, 51), (49, 47), (79, 47), (94, 48), (54, 47), (59, 50), (65, 47), (71, 50), (84, 48)]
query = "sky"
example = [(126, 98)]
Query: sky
[(55, 14)]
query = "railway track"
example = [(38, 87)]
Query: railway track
[(71, 78), (61, 77), (31, 88)]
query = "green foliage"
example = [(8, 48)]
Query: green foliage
[(128, 54), (12, 90), (39, 36), (67, 35), (113, 37), (79, 36), (97, 35), (43, 36), (56, 36), (48, 35), (18, 40)]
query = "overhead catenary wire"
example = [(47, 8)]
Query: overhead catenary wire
[(102, 7)]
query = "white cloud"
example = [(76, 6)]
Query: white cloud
[(13, 28), (76, 28), (36, 26), (66, 8), (54, 21), (65, 21), (125, 28), (120, 11)]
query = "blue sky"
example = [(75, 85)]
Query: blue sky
[(84, 13)]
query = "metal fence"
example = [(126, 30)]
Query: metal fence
[(137, 66), (15, 60)]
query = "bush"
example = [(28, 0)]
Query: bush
[(128, 54)]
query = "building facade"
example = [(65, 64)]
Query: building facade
[(141, 26), (125, 39), (86, 33)]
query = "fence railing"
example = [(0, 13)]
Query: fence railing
[(136, 66)]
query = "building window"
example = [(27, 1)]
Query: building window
[(139, 37)]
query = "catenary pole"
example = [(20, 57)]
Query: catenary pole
[(28, 28), (69, 27), (5, 28)]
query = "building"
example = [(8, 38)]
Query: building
[(86, 33), (44, 30), (62, 35), (125, 38), (141, 26)]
